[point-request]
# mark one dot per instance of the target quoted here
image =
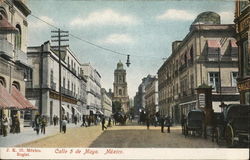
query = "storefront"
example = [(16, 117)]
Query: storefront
[(242, 21)]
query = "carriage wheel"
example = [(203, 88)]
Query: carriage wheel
[(229, 136)]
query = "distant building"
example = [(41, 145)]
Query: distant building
[(106, 103), (93, 88), (43, 90), (120, 87), (242, 18), (207, 51), (151, 97), (139, 99)]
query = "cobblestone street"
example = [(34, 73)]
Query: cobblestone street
[(122, 137)]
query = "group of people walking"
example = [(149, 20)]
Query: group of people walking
[(40, 124), (163, 121), (13, 123)]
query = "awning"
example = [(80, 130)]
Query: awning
[(233, 44), (21, 99), (66, 109), (76, 110), (7, 101), (213, 44), (100, 112), (5, 26)]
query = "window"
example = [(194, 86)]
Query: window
[(18, 37), (63, 82), (234, 76), (120, 92), (213, 78), (51, 76)]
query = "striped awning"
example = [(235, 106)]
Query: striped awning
[(5, 26), (7, 101), (21, 99), (213, 44)]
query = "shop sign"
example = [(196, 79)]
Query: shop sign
[(243, 86), (202, 100)]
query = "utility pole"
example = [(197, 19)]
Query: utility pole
[(58, 34), (219, 65)]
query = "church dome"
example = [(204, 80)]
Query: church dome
[(119, 65), (207, 18)]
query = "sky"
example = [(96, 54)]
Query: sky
[(144, 29)]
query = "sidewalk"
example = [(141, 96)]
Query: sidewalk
[(28, 135)]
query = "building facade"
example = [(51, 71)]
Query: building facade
[(139, 99), (242, 21), (14, 69), (106, 103), (206, 56), (120, 87), (44, 87), (93, 88), (151, 97)]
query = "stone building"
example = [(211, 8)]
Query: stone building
[(120, 87), (207, 55), (14, 69), (151, 97), (139, 99), (93, 88), (106, 103), (44, 87), (242, 21)]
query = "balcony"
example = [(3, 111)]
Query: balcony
[(21, 56), (6, 49), (228, 90)]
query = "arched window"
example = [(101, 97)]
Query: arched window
[(16, 84), (120, 92), (2, 81), (18, 37)]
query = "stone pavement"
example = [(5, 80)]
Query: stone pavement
[(28, 135)]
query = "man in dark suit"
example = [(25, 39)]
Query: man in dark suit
[(162, 124)]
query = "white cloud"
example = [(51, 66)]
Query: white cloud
[(39, 24), (173, 14), (226, 17), (105, 17), (118, 39)]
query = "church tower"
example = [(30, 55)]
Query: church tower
[(120, 87)]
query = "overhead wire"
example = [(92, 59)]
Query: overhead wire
[(91, 43)]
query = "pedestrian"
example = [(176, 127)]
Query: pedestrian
[(83, 121), (147, 122), (5, 122), (75, 119), (89, 120), (57, 119), (168, 123), (16, 124), (103, 123), (54, 120), (162, 124), (155, 120), (37, 123), (43, 124), (109, 122), (64, 124), (183, 121)]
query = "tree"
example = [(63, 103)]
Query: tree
[(116, 106)]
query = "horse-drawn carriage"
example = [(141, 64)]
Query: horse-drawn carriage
[(194, 122), (233, 125), (120, 118)]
